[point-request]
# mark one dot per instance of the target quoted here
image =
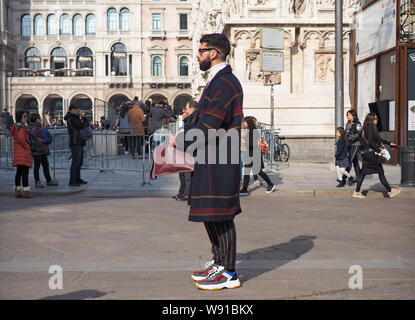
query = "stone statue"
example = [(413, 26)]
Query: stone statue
[(298, 6), (324, 67), (238, 7), (253, 74)]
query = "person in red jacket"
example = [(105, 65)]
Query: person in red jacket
[(22, 156)]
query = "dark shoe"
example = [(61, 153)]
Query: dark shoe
[(351, 181), (182, 198), (38, 184), (75, 184), (243, 192), (271, 188), (82, 181), (176, 196), (52, 183), (341, 184)]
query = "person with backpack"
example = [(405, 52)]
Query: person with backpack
[(373, 153), (22, 155), (40, 139), (78, 135), (341, 157)]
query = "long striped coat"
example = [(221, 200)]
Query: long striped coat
[(215, 187)]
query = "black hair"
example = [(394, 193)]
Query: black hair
[(370, 121), (354, 115), (33, 117), (342, 133), (135, 98), (19, 115), (250, 121), (192, 104), (218, 41), (124, 109)]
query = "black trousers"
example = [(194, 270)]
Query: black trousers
[(222, 235), (353, 159), (22, 176), (41, 160), (77, 153), (382, 179), (185, 180), (136, 145), (262, 174)]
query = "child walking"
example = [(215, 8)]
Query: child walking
[(341, 157)]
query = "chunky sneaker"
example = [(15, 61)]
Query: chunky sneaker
[(394, 192), (209, 268), (358, 195), (219, 280), (271, 188)]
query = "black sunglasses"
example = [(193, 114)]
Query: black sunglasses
[(207, 49)]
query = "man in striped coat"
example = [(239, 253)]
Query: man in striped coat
[(214, 197)]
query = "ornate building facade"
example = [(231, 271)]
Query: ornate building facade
[(96, 53), (304, 102)]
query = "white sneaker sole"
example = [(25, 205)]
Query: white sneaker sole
[(359, 197), (227, 285)]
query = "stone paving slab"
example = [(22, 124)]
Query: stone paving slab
[(144, 248)]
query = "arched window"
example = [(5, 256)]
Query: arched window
[(52, 24), (32, 59), (119, 59), (58, 60), (26, 26), (124, 19), (184, 66), (65, 24), (156, 66), (90, 24), (84, 60), (39, 25), (78, 29), (112, 19)]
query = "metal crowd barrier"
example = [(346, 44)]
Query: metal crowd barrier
[(106, 151)]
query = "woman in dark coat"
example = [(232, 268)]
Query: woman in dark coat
[(249, 124), (371, 149), (22, 155), (353, 137)]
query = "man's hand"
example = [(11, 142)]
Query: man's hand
[(173, 140)]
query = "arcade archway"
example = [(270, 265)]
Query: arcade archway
[(27, 103)]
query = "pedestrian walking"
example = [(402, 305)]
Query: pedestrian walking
[(189, 117), (22, 156), (341, 157), (248, 145), (40, 139), (75, 123), (373, 150), (124, 125), (47, 121), (136, 119), (214, 196), (353, 137)]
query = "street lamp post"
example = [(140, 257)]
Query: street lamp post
[(339, 82)]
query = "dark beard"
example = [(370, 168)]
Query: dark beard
[(205, 65)]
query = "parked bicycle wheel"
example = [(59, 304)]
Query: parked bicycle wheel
[(284, 152)]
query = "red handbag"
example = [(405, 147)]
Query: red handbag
[(169, 160)]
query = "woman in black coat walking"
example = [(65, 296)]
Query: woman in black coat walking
[(248, 146), (372, 149), (353, 137)]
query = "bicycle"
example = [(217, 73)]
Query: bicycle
[(281, 150)]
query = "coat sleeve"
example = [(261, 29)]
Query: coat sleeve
[(22, 138), (371, 139), (340, 147)]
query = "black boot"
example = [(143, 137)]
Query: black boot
[(351, 181), (342, 183)]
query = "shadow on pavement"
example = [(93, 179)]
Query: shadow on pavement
[(259, 261), (77, 295)]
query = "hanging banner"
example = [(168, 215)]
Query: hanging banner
[(375, 29), (366, 87)]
